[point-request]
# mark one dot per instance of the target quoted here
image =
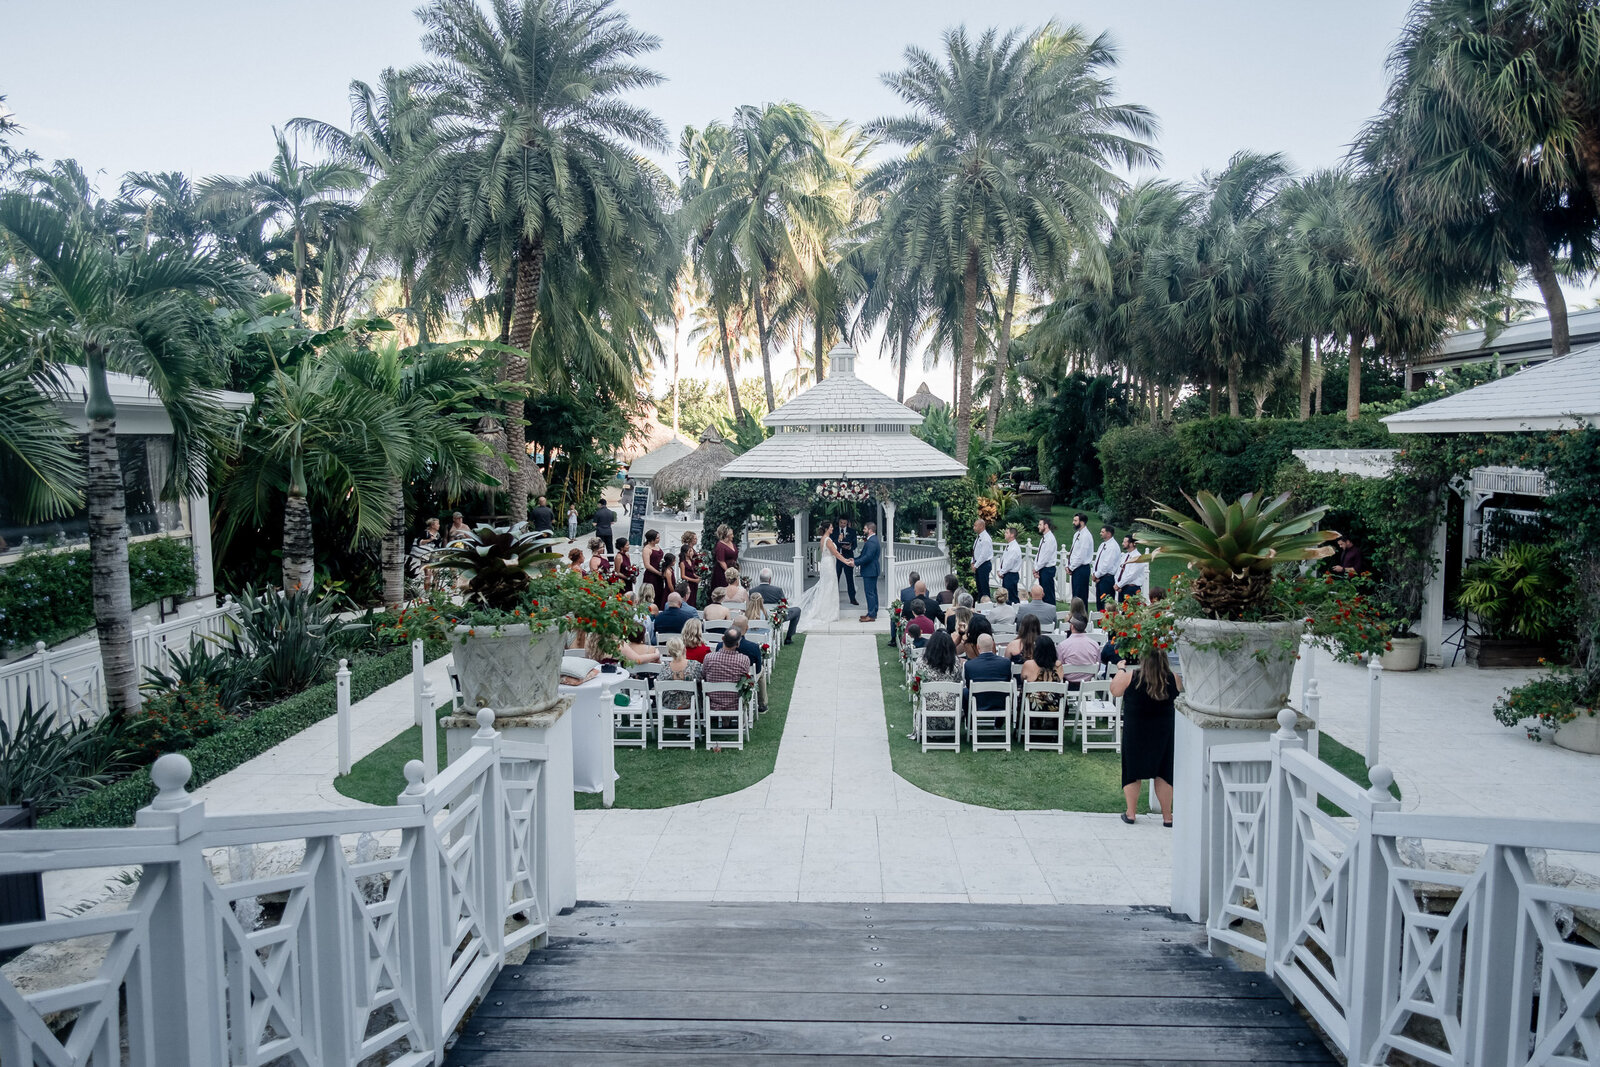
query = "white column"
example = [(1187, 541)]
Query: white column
[(799, 585), (200, 540), (938, 511), (888, 545)]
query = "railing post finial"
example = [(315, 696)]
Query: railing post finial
[(171, 775), (1382, 778), (413, 772), (486, 731), (1286, 723)]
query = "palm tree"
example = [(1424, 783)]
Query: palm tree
[(136, 309), (310, 201), (40, 473), (702, 159), (532, 153), (1009, 135)]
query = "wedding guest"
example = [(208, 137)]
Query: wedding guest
[(672, 618), (458, 526), (907, 595), (773, 595), (1079, 654), (948, 596), (622, 564), (752, 652), (647, 601), (1002, 612), (938, 663), (1028, 631), (1038, 607), (572, 523), (681, 666), (636, 650), (542, 518), (734, 593), (1042, 665), (694, 643), (978, 627), (725, 664), (716, 610), (1148, 716), (1347, 560), (987, 666), (575, 561), (431, 537), (689, 563), (958, 619), (724, 554), (755, 608), (921, 622)]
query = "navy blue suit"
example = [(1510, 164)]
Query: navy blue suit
[(989, 667), (671, 620), (871, 554)]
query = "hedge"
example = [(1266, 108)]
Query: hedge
[(1226, 455), (48, 596), (220, 753)]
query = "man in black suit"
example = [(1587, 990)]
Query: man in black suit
[(770, 595), (845, 538), (670, 619), (544, 520), (907, 595), (988, 666), (604, 520)]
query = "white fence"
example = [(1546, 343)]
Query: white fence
[(1474, 964), (350, 950), (71, 680)]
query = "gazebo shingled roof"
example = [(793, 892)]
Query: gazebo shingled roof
[(923, 401), (699, 470)]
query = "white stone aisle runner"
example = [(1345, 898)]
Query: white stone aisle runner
[(835, 823)]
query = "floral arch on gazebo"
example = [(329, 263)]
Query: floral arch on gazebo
[(842, 445)]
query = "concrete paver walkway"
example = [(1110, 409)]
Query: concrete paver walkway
[(835, 823)]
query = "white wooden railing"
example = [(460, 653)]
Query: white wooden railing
[(390, 924), (1396, 960), (71, 680)]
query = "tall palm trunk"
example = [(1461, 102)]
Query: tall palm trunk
[(727, 366), (1213, 394), (394, 547), (766, 353), (299, 546), (900, 392), (969, 349), (530, 271), (108, 547), (1001, 350), (674, 385), (818, 377), (299, 270), (1305, 377), (1536, 246), (1316, 406), (1233, 386), (1352, 402)]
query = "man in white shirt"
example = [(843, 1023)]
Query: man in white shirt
[(1011, 565), (1044, 565), (1082, 556), (982, 556), (1133, 573), (1107, 558)]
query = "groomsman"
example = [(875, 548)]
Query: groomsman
[(1107, 558), (1081, 558), (1133, 574), (982, 556), (1011, 565), (1044, 565), (845, 538)]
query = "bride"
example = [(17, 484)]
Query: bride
[(820, 604)]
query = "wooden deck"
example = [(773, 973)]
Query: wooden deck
[(808, 985)]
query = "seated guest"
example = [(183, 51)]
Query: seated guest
[(1002, 612), (1037, 608), (734, 593), (676, 614), (694, 644), (920, 621), (752, 652), (635, 650), (956, 622), (1028, 630), (716, 610), (725, 664), (1041, 666), (907, 595), (680, 667), (952, 585), (773, 595), (987, 666), (1079, 654), (939, 664), (975, 629)]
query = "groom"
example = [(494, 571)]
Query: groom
[(867, 561)]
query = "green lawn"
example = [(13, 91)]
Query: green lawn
[(648, 778), (1070, 781), (1348, 762), (1061, 515)]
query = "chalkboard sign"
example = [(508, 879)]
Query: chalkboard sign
[(636, 514)]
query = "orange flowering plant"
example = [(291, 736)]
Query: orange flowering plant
[(1140, 628)]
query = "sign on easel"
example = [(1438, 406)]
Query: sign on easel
[(636, 514)]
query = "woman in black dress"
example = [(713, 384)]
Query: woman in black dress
[(1147, 721)]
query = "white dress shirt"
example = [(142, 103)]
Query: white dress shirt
[(1011, 558), (1130, 572), (1106, 558), (1082, 549), (1047, 550), (982, 549)]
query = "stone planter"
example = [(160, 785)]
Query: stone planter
[(1406, 655), (511, 670), (1248, 677), (1491, 652), (1581, 734)]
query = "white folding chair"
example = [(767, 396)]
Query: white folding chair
[(1099, 717), (940, 730), (630, 717), (647, 670), (457, 701), (714, 626), (724, 727), (1053, 718), (677, 727), (1099, 637), (990, 730)]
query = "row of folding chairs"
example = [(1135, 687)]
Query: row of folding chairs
[(759, 632), (1090, 714), (639, 710)]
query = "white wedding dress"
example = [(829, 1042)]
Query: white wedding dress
[(820, 604)]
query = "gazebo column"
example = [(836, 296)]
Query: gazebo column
[(888, 545), (938, 538), (799, 555), (1432, 623)]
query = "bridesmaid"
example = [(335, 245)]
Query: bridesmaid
[(689, 564), (724, 554), (623, 564), (652, 555), (669, 573)]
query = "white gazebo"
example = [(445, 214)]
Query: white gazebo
[(844, 428)]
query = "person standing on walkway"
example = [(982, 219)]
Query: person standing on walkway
[(544, 520), (572, 523), (982, 556), (846, 539), (1107, 558), (1044, 566), (1080, 561), (1011, 566), (604, 520), (869, 564), (724, 554), (652, 555), (1133, 573), (1148, 716)]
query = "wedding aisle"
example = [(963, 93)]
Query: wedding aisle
[(835, 823)]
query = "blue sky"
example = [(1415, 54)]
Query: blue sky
[(179, 84)]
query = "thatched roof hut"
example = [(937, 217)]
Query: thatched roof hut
[(490, 433), (699, 470), (923, 401)]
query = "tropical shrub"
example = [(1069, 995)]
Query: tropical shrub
[(175, 719), (1024, 517), (287, 639), (47, 596), (1522, 592), (52, 763), (229, 675), (676, 500), (1551, 701)]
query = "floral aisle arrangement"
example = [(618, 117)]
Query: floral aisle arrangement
[(842, 491), (779, 613)]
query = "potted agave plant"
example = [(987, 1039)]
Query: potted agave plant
[(507, 632), (1240, 612)]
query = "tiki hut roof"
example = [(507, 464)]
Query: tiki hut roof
[(699, 470), (924, 401), (490, 433)]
